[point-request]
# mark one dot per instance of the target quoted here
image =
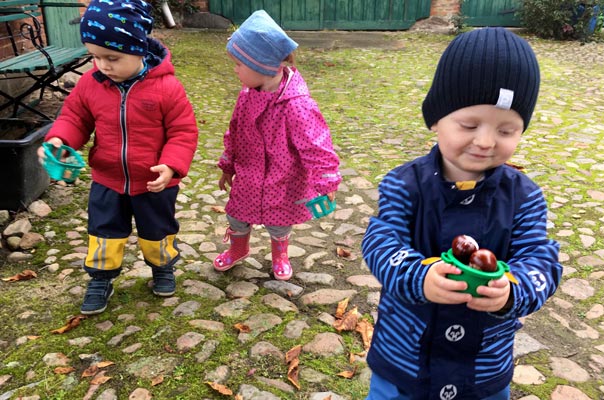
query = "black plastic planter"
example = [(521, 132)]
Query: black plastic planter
[(23, 178)]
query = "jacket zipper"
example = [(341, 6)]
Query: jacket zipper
[(124, 129)]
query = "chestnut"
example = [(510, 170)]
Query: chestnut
[(483, 260), (463, 246)]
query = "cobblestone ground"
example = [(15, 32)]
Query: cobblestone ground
[(144, 347)]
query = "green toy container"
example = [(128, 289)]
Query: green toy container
[(473, 277), (321, 206), (67, 170)]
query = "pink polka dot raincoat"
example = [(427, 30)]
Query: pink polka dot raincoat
[(279, 150)]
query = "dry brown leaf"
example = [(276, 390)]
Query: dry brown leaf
[(238, 397), (104, 364), (293, 353), (100, 378), (90, 371), (169, 349), (242, 328), (72, 323), (157, 380), (351, 358), (342, 305), (366, 330), (348, 321), (327, 398), (341, 252), (64, 370), (292, 372), (25, 275), (220, 388), (348, 374), (251, 372), (218, 209), (33, 337)]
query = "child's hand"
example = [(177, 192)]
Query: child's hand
[(495, 296), (440, 289), (55, 141), (331, 196), (165, 176), (225, 179)]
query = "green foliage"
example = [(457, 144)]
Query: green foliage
[(459, 20), (562, 19)]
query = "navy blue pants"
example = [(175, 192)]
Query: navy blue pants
[(110, 224)]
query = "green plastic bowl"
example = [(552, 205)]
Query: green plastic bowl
[(67, 170), (473, 277)]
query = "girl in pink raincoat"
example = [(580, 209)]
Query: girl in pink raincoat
[(278, 152)]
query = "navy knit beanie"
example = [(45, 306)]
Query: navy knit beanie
[(261, 44), (484, 66), (120, 25)]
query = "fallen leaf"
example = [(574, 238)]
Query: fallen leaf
[(157, 380), (104, 364), (251, 372), (33, 337), (327, 398), (218, 209), (220, 388), (293, 353), (366, 331), (242, 328), (343, 252), (25, 275), (292, 372), (348, 374), (169, 349), (238, 397), (342, 305), (90, 371), (348, 321), (100, 378), (72, 323), (64, 370)]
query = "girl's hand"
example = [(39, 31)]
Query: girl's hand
[(331, 196), (165, 176), (442, 290), (495, 296), (55, 141), (225, 179)]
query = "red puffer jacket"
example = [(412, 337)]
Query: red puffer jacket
[(152, 124)]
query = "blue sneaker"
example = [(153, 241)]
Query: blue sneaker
[(97, 295), (164, 282)]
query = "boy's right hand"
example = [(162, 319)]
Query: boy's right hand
[(225, 179), (442, 290), (55, 141)]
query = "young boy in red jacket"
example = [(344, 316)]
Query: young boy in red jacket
[(145, 136)]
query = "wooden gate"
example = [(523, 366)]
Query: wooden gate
[(490, 13), (329, 14)]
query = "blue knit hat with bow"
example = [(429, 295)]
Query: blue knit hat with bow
[(484, 66), (120, 25), (261, 44)]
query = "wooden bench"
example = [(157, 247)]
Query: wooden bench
[(44, 65)]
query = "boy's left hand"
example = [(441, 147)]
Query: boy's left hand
[(165, 176), (495, 296)]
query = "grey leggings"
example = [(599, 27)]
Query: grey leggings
[(273, 230)]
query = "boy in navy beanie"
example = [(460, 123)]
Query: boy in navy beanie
[(433, 339), (145, 137)]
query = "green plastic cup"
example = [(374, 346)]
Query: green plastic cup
[(473, 277)]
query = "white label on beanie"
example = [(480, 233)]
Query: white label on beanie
[(506, 97)]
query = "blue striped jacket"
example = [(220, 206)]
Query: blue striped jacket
[(435, 351)]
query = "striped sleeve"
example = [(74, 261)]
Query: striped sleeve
[(534, 257), (387, 243)]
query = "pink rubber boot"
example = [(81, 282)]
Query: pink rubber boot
[(240, 248), (282, 269)]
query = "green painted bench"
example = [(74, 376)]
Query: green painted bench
[(42, 66)]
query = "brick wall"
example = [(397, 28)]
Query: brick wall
[(203, 5), (444, 8), (23, 45)]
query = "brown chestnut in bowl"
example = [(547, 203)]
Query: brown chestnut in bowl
[(483, 260), (463, 246)]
